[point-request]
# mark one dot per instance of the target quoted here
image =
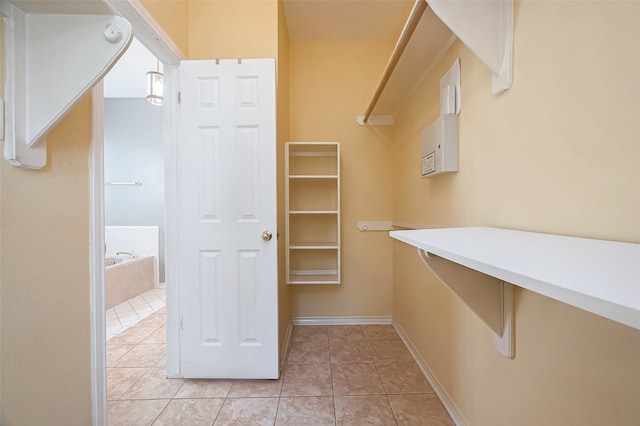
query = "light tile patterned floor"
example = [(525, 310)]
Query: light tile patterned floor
[(128, 313), (336, 375)]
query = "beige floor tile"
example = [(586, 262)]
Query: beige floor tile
[(162, 362), (402, 378), (132, 335), (349, 351), (114, 352), (135, 413), (306, 380), (154, 320), (380, 332), (355, 379), (191, 412), (255, 388), (389, 351), (158, 336), (322, 361), (422, 409), (345, 332), (314, 410), (248, 411), (305, 333), (311, 352), (363, 410), (119, 380), (154, 385), (204, 388), (141, 355)]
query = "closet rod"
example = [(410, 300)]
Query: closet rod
[(409, 27)]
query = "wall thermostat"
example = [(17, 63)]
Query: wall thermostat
[(440, 146)]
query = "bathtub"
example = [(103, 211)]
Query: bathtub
[(126, 278)]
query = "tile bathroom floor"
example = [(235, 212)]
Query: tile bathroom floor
[(333, 375), (133, 310)]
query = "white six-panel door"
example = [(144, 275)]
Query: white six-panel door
[(227, 200)]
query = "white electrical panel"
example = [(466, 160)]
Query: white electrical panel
[(440, 146)]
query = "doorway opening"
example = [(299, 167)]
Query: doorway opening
[(133, 192), (152, 36)]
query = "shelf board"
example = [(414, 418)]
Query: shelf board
[(313, 277), (313, 176), (314, 246), (313, 212), (312, 154), (601, 277)]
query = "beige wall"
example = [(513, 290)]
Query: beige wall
[(45, 348), (44, 282), (223, 29), (556, 153), (330, 84), (173, 16), (284, 311)]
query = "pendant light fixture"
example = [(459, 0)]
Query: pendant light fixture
[(155, 86)]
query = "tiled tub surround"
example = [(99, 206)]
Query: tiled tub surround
[(333, 375), (129, 278)]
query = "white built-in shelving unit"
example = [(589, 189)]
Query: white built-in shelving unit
[(312, 222)]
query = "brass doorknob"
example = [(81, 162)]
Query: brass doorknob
[(266, 235)]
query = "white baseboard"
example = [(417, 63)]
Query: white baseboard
[(451, 408), (341, 320)]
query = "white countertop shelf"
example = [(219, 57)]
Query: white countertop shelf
[(602, 277)]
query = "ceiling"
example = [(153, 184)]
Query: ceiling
[(346, 19), (373, 20)]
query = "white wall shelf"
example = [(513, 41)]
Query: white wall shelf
[(485, 27), (601, 277), (312, 217)]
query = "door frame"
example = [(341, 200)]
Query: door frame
[(151, 34)]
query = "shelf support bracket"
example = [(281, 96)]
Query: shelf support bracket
[(485, 27), (489, 298), (52, 61)]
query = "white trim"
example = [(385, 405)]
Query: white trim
[(162, 47), (169, 131), (96, 262), (148, 31), (285, 346), (446, 400), (338, 320)]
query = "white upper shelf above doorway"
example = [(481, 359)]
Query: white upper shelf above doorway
[(56, 51), (484, 26)]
